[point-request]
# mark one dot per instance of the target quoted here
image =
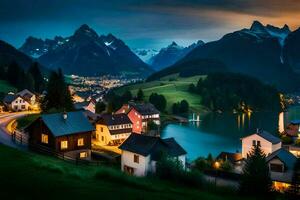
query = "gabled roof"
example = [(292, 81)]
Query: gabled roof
[(149, 145), (144, 108), (114, 119), (9, 98), (285, 156), (267, 136), (26, 93), (76, 122), (81, 105), (232, 157)]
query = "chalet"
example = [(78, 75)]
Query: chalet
[(113, 129), (86, 105), (68, 133), (21, 101), (268, 142), (281, 165), (140, 153), (141, 114)]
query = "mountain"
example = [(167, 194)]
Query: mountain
[(291, 50), (255, 52), (145, 54), (171, 54), (88, 54), (8, 54), (35, 47)]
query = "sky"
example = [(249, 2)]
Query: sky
[(142, 24)]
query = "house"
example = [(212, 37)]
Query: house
[(16, 103), (234, 159), (140, 153), (66, 133), (293, 129), (141, 114), (86, 105), (21, 101), (281, 166), (113, 129), (268, 142)]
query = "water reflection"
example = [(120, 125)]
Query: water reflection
[(222, 132)]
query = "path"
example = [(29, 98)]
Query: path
[(5, 119)]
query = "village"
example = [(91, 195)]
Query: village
[(130, 136)]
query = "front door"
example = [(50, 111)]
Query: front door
[(128, 170)]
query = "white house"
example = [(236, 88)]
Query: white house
[(140, 153), (281, 165), (16, 103), (27, 95), (268, 142)]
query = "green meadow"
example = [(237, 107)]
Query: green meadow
[(5, 87)]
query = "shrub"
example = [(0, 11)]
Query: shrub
[(226, 166), (286, 139), (297, 142), (202, 164)]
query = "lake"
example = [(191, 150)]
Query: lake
[(222, 132)]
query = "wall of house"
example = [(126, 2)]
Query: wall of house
[(73, 141), (141, 168), (103, 137), (266, 146), (275, 161), (19, 104), (91, 107), (275, 147), (182, 159), (136, 120)]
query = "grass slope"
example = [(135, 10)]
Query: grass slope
[(5, 87), (26, 175), (25, 121), (173, 87)]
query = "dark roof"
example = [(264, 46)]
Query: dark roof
[(76, 122), (296, 122), (149, 145), (268, 136), (285, 156), (90, 115), (144, 108), (120, 131), (114, 119), (232, 157), (25, 93), (81, 105), (9, 98)]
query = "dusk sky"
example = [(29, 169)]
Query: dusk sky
[(142, 24)]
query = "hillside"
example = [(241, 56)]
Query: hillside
[(5, 87), (173, 87), (30, 176)]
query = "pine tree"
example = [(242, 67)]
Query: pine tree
[(255, 179), (127, 96), (140, 95), (39, 84)]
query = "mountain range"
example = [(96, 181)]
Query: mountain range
[(260, 51), (86, 53)]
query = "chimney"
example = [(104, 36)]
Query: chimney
[(65, 116)]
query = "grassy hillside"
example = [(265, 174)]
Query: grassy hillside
[(173, 87), (30, 176), (5, 87)]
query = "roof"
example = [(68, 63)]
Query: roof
[(26, 93), (285, 156), (232, 157), (149, 145), (76, 122), (296, 122), (266, 135), (144, 108), (114, 119), (9, 98), (81, 105)]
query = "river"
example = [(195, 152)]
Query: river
[(222, 132)]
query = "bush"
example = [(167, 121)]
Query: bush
[(159, 101), (202, 164), (100, 107), (286, 139), (297, 142), (226, 166)]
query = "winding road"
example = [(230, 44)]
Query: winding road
[(5, 119)]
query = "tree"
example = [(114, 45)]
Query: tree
[(184, 106), (159, 101), (100, 107), (255, 178), (39, 83), (58, 95), (140, 95), (175, 108), (15, 74), (295, 185), (127, 96)]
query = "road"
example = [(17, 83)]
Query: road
[(5, 119)]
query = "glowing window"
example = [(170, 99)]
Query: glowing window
[(44, 138), (80, 142), (64, 144)]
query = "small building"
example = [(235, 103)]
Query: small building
[(86, 105), (66, 133), (268, 142), (281, 166), (293, 129), (113, 129), (141, 114), (21, 101), (140, 153)]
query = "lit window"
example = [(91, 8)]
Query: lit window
[(64, 144), (44, 138), (83, 154), (80, 142), (136, 158)]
